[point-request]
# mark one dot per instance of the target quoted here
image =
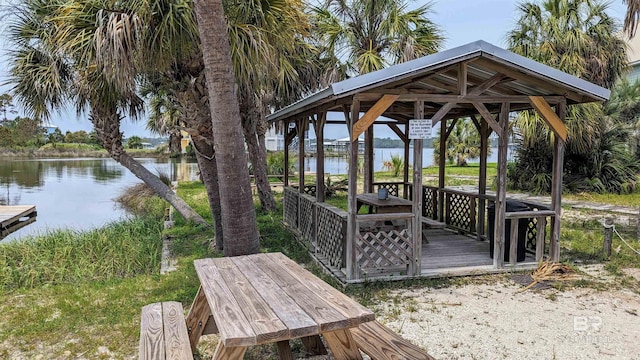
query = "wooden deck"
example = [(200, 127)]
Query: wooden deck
[(16, 217), (448, 252)]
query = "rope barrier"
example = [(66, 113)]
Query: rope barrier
[(620, 236)]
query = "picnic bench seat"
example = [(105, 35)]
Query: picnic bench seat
[(431, 223), (380, 343), (163, 332)]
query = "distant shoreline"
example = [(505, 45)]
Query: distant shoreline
[(72, 152)]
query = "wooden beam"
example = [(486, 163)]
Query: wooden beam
[(370, 116), (368, 159), (444, 98), (398, 132), (486, 115), (550, 117), (319, 129), (482, 181), (462, 79), (415, 267), (556, 189), (501, 195), (353, 271), (405, 170)]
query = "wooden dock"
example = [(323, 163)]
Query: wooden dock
[(16, 217)]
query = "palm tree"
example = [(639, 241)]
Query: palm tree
[(462, 144), (238, 213), (370, 35), (578, 37), (632, 17), (575, 36), (54, 62), (164, 119)]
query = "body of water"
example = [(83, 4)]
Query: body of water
[(75, 193), (339, 165)]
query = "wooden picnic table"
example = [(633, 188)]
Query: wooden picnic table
[(392, 204), (266, 298)]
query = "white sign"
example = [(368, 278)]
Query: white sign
[(420, 129)]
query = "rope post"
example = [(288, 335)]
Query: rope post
[(608, 236)]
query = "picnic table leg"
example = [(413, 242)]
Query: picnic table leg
[(314, 345), (342, 345), (284, 349), (197, 318), (229, 353)]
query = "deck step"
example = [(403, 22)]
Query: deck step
[(380, 343), (163, 332)]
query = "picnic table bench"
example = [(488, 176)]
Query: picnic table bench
[(267, 298)]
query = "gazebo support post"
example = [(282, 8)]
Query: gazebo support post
[(300, 126), (353, 272), (319, 130), (405, 174), (417, 199), (441, 173), (556, 190), (288, 136), (368, 159), (482, 181), (501, 191)]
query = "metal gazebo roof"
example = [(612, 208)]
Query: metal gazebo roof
[(437, 74)]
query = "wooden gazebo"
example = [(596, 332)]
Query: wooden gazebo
[(478, 81)]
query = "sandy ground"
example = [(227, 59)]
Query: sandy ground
[(494, 321)]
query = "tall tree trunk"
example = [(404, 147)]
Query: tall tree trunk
[(107, 126), (194, 105), (175, 142), (251, 118), (238, 213)]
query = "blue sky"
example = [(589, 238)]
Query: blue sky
[(463, 21)]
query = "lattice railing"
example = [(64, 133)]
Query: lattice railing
[(310, 190), (331, 234), (399, 189), (384, 245), (461, 210), (291, 196), (430, 202), (305, 221)]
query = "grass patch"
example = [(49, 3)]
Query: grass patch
[(117, 250), (631, 200)]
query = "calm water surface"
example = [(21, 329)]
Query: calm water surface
[(75, 193)]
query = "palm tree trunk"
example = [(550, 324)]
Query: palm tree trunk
[(209, 174), (251, 117), (238, 212), (107, 126), (194, 105)]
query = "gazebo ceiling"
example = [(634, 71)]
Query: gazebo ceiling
[(439, 79)]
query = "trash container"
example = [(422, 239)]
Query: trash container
[(512, 206)]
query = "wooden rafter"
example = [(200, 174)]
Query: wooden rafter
[(488, 117), (398, 132), (550, 117), (370, 116)]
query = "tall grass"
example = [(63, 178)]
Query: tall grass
[(117, 250)]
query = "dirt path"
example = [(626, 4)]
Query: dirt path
[(494, 321)]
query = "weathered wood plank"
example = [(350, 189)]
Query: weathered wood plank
[(235, 329), (295, 318), (284, 350), (370, 116), (342, 345), (198, 318), (228, 353), (151, 333), (264, 322), (513, 244), (529, 214), (549, 116), (317, 308), (541, 228), (339, 301), (176, 338), (380, 343)]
